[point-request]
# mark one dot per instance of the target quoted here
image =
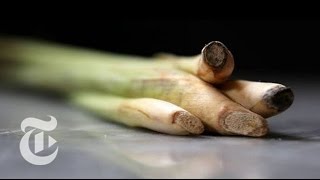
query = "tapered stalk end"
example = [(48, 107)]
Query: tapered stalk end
[(188, 122), (279, 98), (244, 123)]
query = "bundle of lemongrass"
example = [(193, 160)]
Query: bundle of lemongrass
[(166, 93)]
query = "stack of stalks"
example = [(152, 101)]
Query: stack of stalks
[(166, 93)]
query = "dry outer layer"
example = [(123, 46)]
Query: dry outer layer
[(188, 122), (216, 63), (215, 54), (204, 101), (279, 98)]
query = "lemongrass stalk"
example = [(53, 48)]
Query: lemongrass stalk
[(266, 99), (147, 113), (28, 51), (216, 111), (215, 64)]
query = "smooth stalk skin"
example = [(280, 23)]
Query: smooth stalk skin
[(148, 113), (217, 112), (24, 51), (266, 99), (15, 50), (215, 64), (68, 69)]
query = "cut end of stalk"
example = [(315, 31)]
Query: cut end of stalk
[(243, 123), (188, 122), (279, 98), (215, 54)]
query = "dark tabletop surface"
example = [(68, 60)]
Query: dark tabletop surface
[(92, 148)]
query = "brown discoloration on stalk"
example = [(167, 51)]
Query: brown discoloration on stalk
[(166, 86), (216, 63), (264, 98), (207, 103), (160, 116), (215, 54), (231, 85), (245, 123), (279, 98), (222, 114), (241, 122), (189, 122)]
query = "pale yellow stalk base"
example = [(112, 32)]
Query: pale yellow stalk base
[(148, 113)]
